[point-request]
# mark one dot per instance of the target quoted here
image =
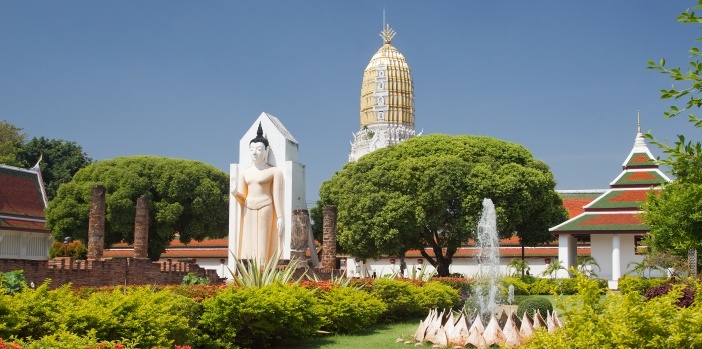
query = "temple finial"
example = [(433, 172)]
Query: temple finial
[(387, 34), (36, 166), (638, 121)]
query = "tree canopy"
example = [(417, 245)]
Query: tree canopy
[(60, 160), (674, 216), (11, 141), (428, 192), (185, 197)]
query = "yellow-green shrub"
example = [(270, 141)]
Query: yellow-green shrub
[(520, 287), (639, 284), (543, 286), (349, 310), (400, 298), (623, 320), (437, 295), (35, 312), (257, 317), (152, 318)]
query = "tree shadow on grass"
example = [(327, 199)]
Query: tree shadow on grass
[(379, 336)]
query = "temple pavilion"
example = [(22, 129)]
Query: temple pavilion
[(613, 223)]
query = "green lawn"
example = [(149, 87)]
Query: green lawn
[(379, 337)]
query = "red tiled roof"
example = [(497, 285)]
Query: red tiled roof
[(17, 224), (20, 193), (630, 222), (574, 206)]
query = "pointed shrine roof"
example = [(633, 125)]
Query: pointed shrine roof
[(640, 178), (22, 199), (619, 209), (604, 222)]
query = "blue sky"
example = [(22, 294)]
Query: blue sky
[(186, 79)]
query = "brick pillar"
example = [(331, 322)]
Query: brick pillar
[(298, 238), (329, 237), (141, 228), (96, 223)]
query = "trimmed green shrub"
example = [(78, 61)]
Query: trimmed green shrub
[(437, 295), (543, 286), (639, 284), (532, 304), (349, 310), (35, 312), (258, 317), (567, 286), (151, 318), (400, 297), (65, 339), (520, 287), (460, 284)]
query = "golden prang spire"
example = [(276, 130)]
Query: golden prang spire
[(387, 34)]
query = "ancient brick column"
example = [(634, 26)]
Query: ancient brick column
[(141, 228), (96, 223), (298, 236), (329, 237)]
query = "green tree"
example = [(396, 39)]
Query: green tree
[(428, 192), (11, 141), (60, 160), (675, 216), (186, 197)]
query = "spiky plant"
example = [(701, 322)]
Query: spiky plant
[(258, 273)]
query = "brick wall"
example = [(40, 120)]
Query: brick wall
[(107, 272)]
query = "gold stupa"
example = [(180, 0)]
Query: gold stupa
[(387, 100)]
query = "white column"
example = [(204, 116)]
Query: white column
[(567, 252), (616, 262)]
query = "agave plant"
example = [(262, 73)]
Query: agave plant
[(422, 274), (257, 273)]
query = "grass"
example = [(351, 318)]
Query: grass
[(379, 337)]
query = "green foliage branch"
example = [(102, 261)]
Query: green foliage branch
[(674, 216)]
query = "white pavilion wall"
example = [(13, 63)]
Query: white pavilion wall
[(601, 250), (464, 266), (24, 245)]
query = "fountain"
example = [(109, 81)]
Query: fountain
[(441, 327), (488, 243)]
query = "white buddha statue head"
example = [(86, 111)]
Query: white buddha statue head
[(258, 147)]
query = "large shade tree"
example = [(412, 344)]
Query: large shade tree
[(428, 192), (185, 197), (60, 160)]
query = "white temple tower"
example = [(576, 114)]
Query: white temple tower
[(387, 101)]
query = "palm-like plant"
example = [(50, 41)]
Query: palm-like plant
[(518, 266), (553, 268), (586, 265)]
